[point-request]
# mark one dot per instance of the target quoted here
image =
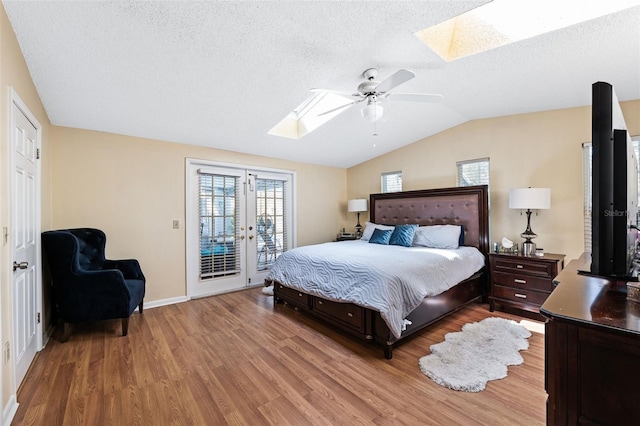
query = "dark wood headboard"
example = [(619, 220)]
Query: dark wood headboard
[(468, 206)]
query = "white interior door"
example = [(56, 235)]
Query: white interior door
[(25, 239), (238, 223)]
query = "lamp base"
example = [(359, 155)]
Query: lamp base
[(528, 248), (358, 228)]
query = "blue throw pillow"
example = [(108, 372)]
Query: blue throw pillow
[(403, 235), (381, 236)]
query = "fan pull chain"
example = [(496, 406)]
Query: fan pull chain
[(375, 132)]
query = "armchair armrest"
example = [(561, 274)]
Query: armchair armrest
[(130, 268)]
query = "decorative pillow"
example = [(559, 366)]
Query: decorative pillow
[(461, 240), (381, 236), (369, 227), (403, 235), (438, 236)]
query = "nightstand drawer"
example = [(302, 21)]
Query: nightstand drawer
[(347, 313), (543, 269), (519, 295), (522, 281)]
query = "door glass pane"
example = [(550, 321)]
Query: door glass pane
[(270, 221), (218, 234)]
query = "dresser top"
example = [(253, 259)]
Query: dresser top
[(593, 300)]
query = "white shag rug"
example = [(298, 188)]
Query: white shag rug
[(468, 359)]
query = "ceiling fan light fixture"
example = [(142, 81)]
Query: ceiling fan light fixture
[(372, 112)]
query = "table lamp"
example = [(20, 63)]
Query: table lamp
[(529, 199), (358, 205)]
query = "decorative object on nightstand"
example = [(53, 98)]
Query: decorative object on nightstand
[(345, 236), (529, 199), (522, 282), (357, 205)]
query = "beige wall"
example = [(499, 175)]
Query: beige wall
[(538, 150), (14, 73), (134, 188)]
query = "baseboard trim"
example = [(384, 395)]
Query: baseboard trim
[(164, 302), (10, 410)]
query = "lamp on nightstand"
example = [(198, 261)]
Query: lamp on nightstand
[(529, 199), (358, 205)]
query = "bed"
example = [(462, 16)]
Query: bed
[(465, 206)]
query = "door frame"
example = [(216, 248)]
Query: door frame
[(19, 104), (191, 240)]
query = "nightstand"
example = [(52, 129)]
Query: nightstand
[(522, 282), (346, 238)]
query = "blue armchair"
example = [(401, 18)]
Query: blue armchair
[(86, 286)]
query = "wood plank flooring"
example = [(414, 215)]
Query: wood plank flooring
[(234, 359)]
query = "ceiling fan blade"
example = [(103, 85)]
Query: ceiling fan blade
[(415, 97), (340, 107), (394, 80), (337, 92)]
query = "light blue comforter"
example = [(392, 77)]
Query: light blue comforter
[(390, 279)]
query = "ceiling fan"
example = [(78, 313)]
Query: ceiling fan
[(373, 92)]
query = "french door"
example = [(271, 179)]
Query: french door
[(239, 221)]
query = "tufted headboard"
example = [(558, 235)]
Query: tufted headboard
[(468, 206)]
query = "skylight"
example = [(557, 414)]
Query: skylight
[(308, 116), (501, 22)]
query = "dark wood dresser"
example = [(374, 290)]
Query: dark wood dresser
[(592, 351), (522, 282)]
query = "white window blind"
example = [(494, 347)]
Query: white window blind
[(391, 182), (271, 221), (218, 211), (587, 170), (473, 172)]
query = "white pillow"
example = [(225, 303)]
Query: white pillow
[(438, 236), (369, 227)]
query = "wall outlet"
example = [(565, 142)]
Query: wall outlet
[(176, 224), (7, 352)]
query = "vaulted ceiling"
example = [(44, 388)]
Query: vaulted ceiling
[(222, 74)]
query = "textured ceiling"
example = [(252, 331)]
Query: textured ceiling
[(222, 74)]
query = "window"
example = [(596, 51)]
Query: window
[(473, 172), (218, 233), (392, 182), (270, 221), (587, 168)]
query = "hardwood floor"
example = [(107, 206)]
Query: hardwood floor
[(233, 359)]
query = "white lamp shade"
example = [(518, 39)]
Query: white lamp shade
[(357, 205), (530, 198)]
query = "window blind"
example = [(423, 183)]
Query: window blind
[(587, 170), (218, 211), (271, 221), (473, 172), (391, 182)]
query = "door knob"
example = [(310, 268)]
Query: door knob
[(21, 265), (251, 237)]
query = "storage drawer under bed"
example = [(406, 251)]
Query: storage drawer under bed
[(293, 296), (347, 314)]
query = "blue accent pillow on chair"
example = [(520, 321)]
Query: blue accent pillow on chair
[(381, 236), (403, 235)]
